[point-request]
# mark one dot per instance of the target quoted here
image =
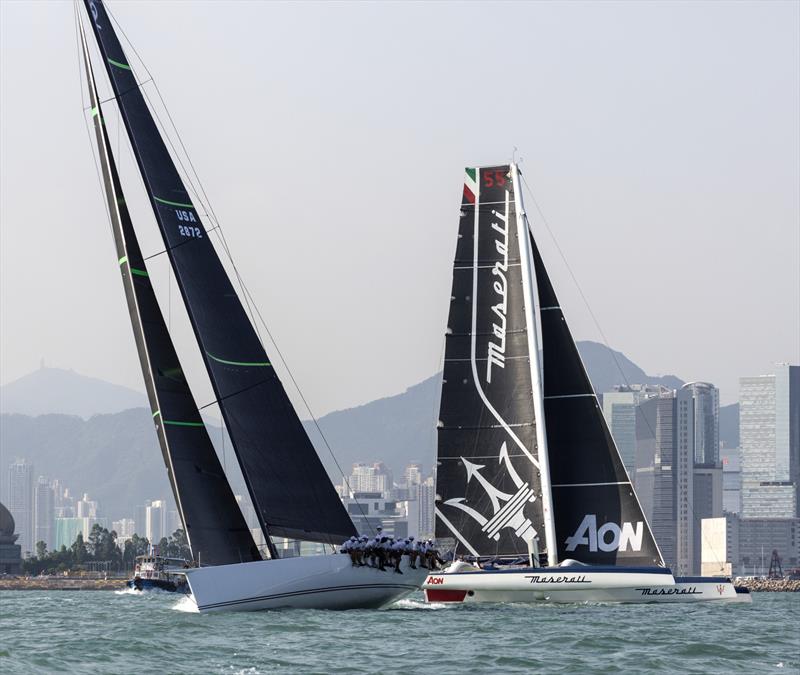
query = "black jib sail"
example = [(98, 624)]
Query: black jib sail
[(214, 525), (598, 518), (487, 479), (290, 489)]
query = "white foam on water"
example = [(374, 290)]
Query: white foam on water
[(186, 604), (128, 591), (410, 603)]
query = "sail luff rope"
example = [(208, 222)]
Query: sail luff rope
[(603, 336)]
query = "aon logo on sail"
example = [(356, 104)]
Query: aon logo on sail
[(608, 537)]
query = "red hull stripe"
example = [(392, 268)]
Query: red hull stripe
[(468, 195), (442, 595)]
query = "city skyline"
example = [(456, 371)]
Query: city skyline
[(658, 192)]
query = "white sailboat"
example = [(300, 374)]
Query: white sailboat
[(290, 490), (526, 464)]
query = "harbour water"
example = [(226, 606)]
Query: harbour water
[(122, 632)]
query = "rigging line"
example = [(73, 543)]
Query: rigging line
[(595, 321), (106, 208), (236, 393)]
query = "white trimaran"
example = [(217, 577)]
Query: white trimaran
[(290, 490), (526, 463)]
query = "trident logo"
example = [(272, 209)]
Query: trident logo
[(507, 508)]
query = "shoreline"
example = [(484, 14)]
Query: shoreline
[(62, 584), (119, 583)]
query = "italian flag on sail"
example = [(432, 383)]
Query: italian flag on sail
[(470, 185)]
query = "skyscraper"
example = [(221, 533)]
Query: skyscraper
[(44, 513), (156, 521), (769, 430), (705, 398), (20, 502), (619, 409), (666, 471)]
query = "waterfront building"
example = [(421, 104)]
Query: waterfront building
[(10, 551), (368, 510), (368, 478), (620, 407), (731, 481), (140, 519), (758, 537), (676, 492), (125, 528), (705, 398), (769, 431), (156, 521), (20, 503), (67, 529), (412, 477), (706, 505), (426, 496), (85, 507), (720, 545), (44, 513)]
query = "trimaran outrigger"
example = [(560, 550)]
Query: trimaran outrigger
[(291, 493), (526, 464)]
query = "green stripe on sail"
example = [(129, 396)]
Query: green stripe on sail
[(139, 273), (169, 203), (470, 173), (183, 424), (156, 413), (95, 111), (239, 363), (124, 66), (123, 259)]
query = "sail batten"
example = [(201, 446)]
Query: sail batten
[(290, 489)]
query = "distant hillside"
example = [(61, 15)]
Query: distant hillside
[(604, 366), (115, 456), (53, 390)]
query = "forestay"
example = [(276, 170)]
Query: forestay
[(290, 489)]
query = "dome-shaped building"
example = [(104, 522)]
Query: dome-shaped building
[(10, 552)]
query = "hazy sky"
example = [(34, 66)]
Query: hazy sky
[(661, 141)]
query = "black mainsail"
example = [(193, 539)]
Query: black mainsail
[(214, 524), (290, 489), (598, 518), (489, 492)]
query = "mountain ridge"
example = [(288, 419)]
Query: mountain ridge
[(114, 456)]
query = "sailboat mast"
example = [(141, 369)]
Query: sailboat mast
[(526, 262), (112, 198)]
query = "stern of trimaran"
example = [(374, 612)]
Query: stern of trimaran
[(526, 466), (289, 488)]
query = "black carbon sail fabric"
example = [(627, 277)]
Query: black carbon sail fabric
[(214, 524), (598, 517), (290, 489), (487, 477)]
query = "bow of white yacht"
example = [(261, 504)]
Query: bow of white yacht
[(313, 582)]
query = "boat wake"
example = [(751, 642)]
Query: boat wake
[(411, 603), (186, 604), (127, 591)]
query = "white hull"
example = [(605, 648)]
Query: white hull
[(576, 585), (315, 582)]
